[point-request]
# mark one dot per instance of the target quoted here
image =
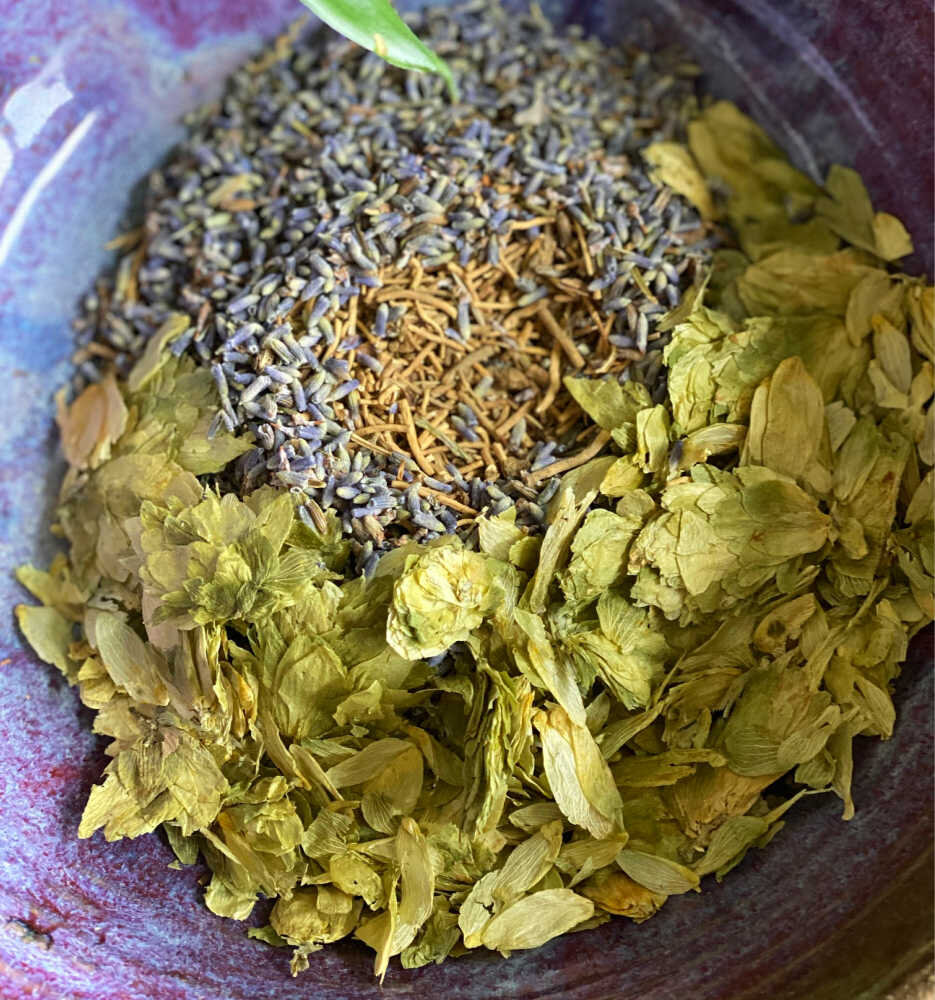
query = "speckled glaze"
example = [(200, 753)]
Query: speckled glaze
[(90, 94)]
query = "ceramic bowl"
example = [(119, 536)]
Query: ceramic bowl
[(90, 96)]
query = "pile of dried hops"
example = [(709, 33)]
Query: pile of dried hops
[(390, 287)]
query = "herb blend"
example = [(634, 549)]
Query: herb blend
[(645, 524), (389, 288)]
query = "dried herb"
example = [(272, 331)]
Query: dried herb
[(498, 737), (390, 290)]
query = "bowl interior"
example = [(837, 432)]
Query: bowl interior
[(90, 96)]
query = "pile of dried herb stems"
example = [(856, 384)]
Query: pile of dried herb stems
[(703, 536), (389, 287)]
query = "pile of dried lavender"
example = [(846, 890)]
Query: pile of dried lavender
[(389, 287)]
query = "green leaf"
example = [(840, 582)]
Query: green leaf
[(578, 775), (538, 661), (155, 355), (674, 165), (731, 841), (598, 555), (438, 937), (608, 402), (656, 873), (778, 722), (538, 918), (131, 663), (48, 632), (891, 237), (555, 545), (849, 212), (375, 25)]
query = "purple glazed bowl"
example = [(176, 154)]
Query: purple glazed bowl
[(90, 93)]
